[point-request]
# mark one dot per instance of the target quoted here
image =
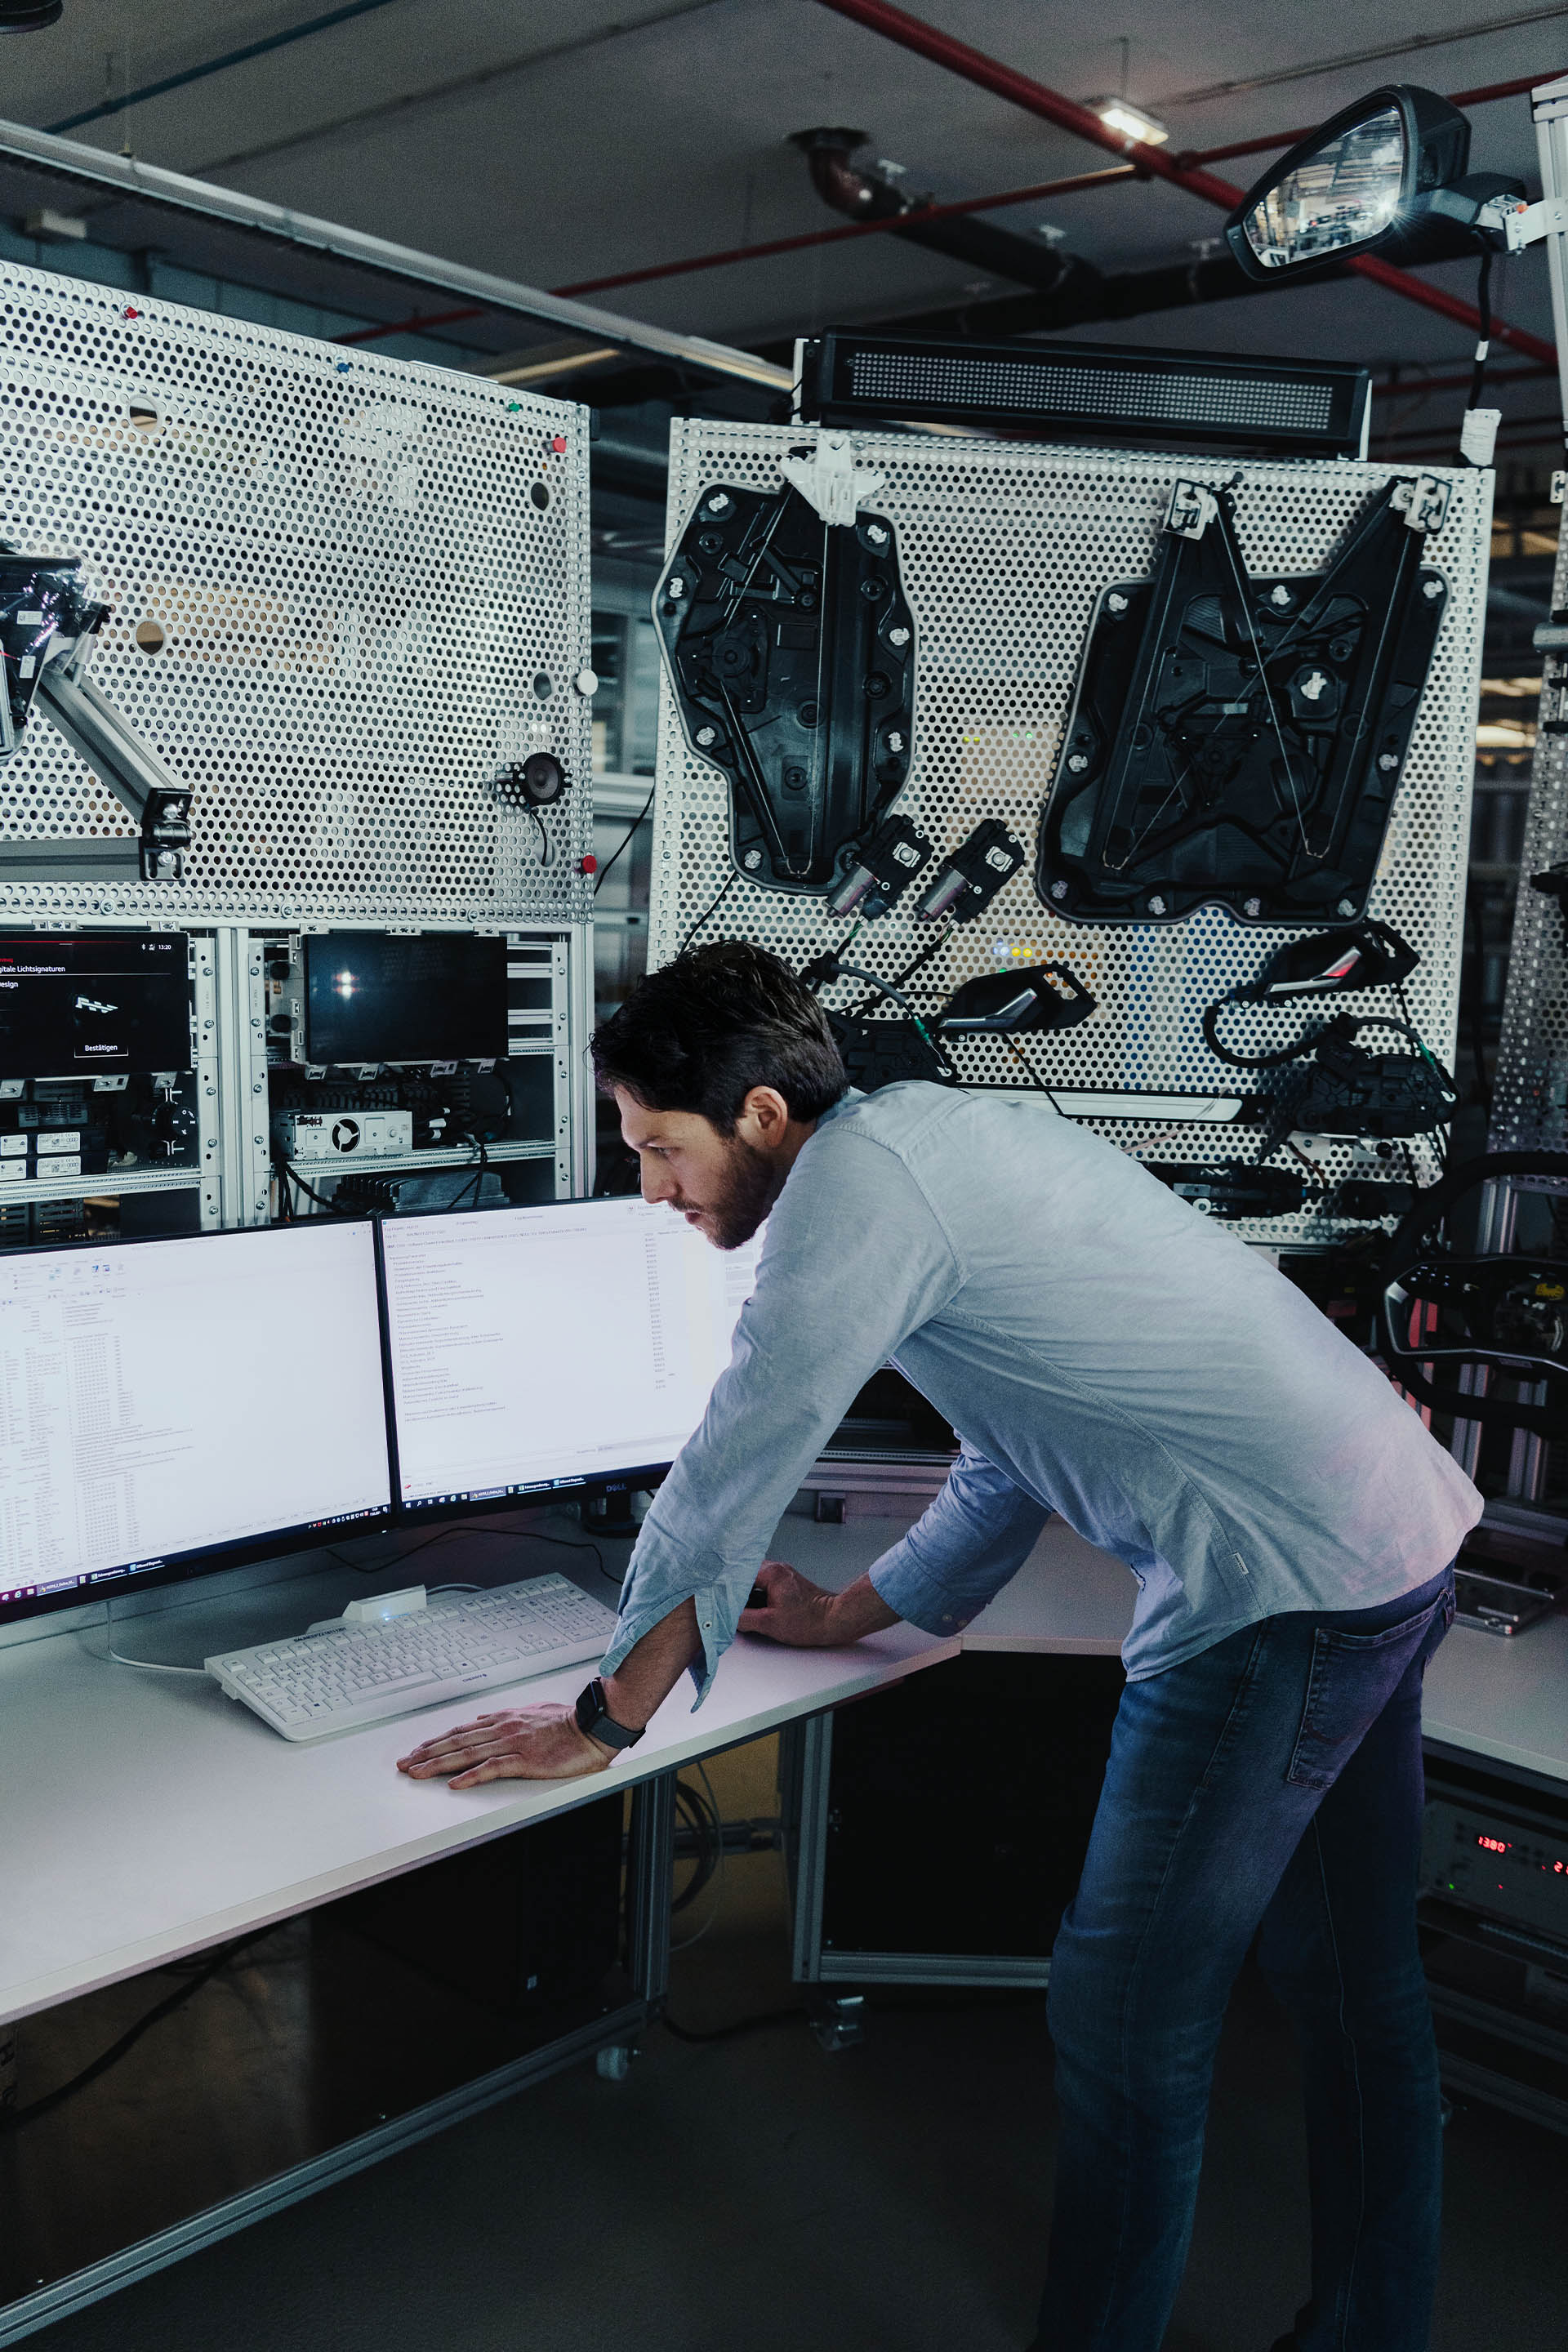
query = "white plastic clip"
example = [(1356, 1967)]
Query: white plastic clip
[(828, 481), (1191, 510), (1478, 436), (1422, 502)]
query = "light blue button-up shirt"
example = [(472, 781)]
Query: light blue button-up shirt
[(1104, 1351)]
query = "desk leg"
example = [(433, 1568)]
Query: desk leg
[(651, 1876), (805, 1775)]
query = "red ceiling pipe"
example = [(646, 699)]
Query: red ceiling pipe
[(1034, 97), (1108, 177), (409, 326), (1149, 162), (1075, 181), (1060, 187)]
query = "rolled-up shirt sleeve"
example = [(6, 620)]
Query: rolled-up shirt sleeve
[(855, 1258), (977, 1534)]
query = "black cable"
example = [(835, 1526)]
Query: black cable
[(710, 909), (1019, 1055), (1439, 1137), (13, 2119), (505, 1534), (705, 1822), (932, 947), (1478, 1026), (292, 1176), (627, 838), (895, 995), (1253, 1061), (476, 1181), (1484, 305), (742, 2025)]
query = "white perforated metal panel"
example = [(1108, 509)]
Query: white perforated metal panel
[(372, 581), (1530, 1091), (1004, 550)]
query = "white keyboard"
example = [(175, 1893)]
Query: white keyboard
[(337, 1678)]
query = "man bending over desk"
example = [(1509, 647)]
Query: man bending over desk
[(1110, 1354)]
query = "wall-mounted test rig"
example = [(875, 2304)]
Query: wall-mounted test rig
[(336, 611), (1125, 729)]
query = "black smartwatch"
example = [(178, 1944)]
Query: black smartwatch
[(594, 1719)]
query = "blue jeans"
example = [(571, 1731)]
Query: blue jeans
[(1270, 1787)]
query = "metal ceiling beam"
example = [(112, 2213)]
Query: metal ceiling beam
[(122, 175), (1151, 163)]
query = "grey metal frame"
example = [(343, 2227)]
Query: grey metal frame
[(94, 167), (648, 1934), (806, 1775)]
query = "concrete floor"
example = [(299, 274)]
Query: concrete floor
[(761, 2193)]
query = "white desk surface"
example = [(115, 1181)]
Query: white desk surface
[(146, 1816), (1503, 1697), (143, 1817), (1068, 1598)]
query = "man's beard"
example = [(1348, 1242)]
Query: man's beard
[(750, 1191)]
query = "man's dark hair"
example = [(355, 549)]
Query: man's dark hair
[(702, 1032)]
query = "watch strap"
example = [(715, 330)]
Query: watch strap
[(594, 1719)]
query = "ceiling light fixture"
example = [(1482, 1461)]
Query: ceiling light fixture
[(1119, 114)]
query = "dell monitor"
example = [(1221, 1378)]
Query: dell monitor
[(169, 1408), (563, 1347)]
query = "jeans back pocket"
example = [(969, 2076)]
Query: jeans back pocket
[(1351, 1678)]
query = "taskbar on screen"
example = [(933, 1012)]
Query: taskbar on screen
[(534, 1491), (60, 1591)]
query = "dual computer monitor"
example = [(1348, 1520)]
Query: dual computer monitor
[(168, 1408)]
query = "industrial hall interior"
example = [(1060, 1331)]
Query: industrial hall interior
[(783, 1176)]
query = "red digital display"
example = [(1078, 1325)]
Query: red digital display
[(1494, 1845)]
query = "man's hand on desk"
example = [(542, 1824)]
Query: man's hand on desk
[(547, 1743), (524, 1743), (803, 1617)]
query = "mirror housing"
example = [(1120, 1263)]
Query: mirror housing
[(1384, 176)]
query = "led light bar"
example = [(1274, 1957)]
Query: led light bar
[(1060, 390)]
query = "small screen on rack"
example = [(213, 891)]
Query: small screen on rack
[(372, 996), (115, 1004)]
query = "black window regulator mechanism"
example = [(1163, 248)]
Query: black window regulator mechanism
[(790, 647)]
